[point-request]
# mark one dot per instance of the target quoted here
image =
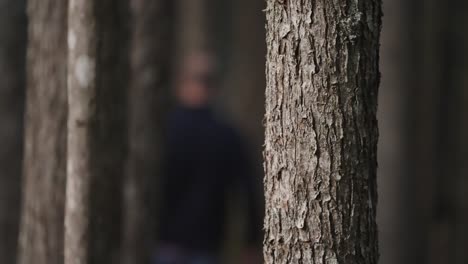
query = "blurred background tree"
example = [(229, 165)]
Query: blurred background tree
[(12, 76), (96, 132), (44, 161), (151, 44)]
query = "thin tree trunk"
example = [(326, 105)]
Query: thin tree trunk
[(423, 76), (245, 79), (391, 155), (109, 138), (321, 131), (12, 75), (452, 116), (150, 51), (82, 61), (41, 228), (192, 26), (97, 80)]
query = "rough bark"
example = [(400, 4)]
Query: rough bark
[(12, 74), (321, 131), (41, 228), (96, 135), (149, 64)]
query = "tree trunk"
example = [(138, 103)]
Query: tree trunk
[(192, 27), (392, 211), (150, 51), (321, 131), (97, 79), (41, 228), (422, 76), (12, 74)]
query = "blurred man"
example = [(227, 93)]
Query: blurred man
[(204, 160)]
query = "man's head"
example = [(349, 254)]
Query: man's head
[(196, 80)]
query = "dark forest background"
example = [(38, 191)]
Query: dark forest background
[(423, 114)]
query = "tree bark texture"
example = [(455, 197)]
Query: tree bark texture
[(149, 64), (97, 79), (12, 73), (41, 228), (192, 27), (321, 131), (82, 61)]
